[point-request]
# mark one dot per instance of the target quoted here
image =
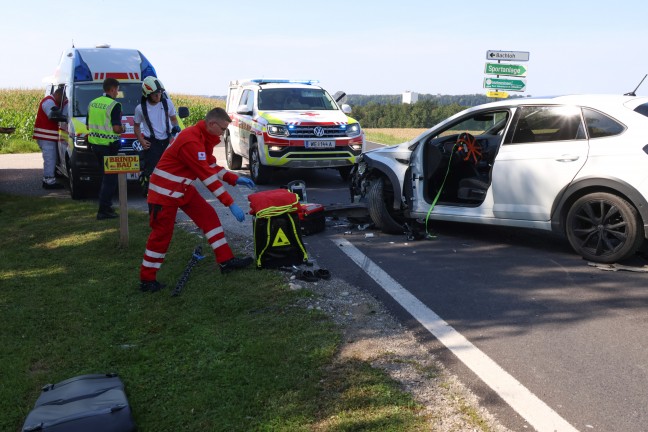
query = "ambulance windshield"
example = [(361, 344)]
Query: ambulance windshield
[(129, 97), (295, 99)]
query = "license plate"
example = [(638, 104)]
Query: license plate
[(319, 144), (132, 176)]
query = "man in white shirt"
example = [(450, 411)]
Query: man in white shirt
[(155, 123)]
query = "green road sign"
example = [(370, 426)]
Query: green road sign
[(518, 85), (505, 69)]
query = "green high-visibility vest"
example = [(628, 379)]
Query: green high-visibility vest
[(100, 129)]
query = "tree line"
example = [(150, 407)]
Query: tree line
[(388, 111)]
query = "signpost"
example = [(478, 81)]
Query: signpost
[(505, 69), (508, 55), (122, 165), (505, 84)]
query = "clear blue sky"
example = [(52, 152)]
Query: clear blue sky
[(361, 47)]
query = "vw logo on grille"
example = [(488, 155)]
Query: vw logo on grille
[(318, 131)]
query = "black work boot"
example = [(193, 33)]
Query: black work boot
[(106, 213), (235, 263), (151, 286)]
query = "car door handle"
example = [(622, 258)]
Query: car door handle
[(567, 158)]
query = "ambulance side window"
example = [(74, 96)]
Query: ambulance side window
[(247, 100)]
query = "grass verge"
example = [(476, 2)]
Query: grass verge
[(391, 136), (231, 353)]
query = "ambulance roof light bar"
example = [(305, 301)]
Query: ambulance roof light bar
[(283, 81)]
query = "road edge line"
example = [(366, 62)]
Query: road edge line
[(536, 412)]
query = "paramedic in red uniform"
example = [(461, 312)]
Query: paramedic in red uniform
[(46, 136), (188, 158)]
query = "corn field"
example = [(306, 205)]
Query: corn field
[(18, 110)]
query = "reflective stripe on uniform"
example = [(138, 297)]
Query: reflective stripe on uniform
[(152, 254), (213, 232), (164, 191), (151, 264), (218, 243), (172, 177)]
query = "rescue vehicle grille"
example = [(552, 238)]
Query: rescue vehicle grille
[(309, 132)]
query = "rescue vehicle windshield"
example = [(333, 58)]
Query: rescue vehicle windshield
[(286, 99), (129, 97)]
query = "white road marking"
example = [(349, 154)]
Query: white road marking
[(537, 413)]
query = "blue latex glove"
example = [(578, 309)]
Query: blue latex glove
[(245, 182), (237, 212), (175, 130)]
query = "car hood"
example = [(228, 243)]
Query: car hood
[(306, 117)]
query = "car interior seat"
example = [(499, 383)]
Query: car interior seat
[(523, 133), (432, 158)]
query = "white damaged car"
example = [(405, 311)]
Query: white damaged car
[(576, 165)]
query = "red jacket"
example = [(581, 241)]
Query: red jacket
[(44, 128), (190, 157)]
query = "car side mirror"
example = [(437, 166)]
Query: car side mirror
[(339, 97), (346, 109), (244, 110), (183, 112)]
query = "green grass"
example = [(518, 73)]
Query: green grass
[(231, 353)]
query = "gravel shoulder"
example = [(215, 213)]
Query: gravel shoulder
[(372, 334)]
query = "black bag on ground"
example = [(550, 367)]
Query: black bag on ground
[(277, 241), (95, 402)]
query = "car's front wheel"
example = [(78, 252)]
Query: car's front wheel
[(233, 160), (260, 173), (604, 228), (76, 189), (379, 199)]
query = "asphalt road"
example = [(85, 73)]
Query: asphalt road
[(571, 333)]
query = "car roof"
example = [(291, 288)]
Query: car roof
[(600, 101)]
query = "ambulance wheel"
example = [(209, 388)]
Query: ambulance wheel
[(345, 172), (379, 199), (260, 173), (233, 160), (76, 190)]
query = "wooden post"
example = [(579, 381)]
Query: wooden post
[(123, 211)]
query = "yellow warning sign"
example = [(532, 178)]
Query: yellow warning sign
[(497, 94), (281, 239), (121, 164)]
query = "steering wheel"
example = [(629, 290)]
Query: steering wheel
[(468, 148)]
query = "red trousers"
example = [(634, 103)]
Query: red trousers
[(162, 221)]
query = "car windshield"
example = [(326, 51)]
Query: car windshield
[(491, 123), (129, 97), (295, 99)]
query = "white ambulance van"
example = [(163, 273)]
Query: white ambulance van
[(284, 123), (81, 72)]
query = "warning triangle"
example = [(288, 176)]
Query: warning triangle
[(281, 239)]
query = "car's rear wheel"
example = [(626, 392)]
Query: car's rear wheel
[(233, 160), (260, 173), (379, 199), (604, 228)]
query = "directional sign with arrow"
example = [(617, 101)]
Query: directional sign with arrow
[(518, 85), (507, 55), (505, 69)]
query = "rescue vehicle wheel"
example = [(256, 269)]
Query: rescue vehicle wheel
[(345, 172), (379, 198), (76, 190), (260, 173), (233, 160)]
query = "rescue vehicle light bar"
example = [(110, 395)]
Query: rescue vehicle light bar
[(274, 81)]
